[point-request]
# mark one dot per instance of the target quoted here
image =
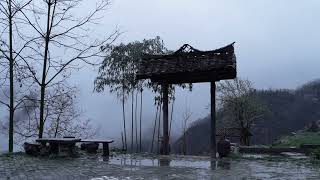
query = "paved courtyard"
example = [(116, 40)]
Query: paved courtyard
[(20, 166)]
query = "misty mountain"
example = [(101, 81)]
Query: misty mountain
[(287, 110)]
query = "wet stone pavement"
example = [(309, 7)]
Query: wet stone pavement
[(20, 166)]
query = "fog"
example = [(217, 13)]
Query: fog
[(276, 47)]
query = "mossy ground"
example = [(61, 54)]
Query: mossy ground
[(298, 139)]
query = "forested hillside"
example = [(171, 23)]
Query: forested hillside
[(286, 111)]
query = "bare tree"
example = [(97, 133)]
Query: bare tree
[(61, 115), (239, 103), (59, 42), (10, 51)]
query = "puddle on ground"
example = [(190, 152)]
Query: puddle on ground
[(282, 155), (258, 167), (132, 167), (110, 178), (160, 162)]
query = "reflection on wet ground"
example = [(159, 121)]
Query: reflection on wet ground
[(169, 162), (161, 161), (157, 167), (250, 166)]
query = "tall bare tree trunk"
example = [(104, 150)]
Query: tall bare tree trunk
[(11, 106), (122, 140), (43, 81), (140, 148), (41, 120)]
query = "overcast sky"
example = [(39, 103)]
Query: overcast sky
[(276, 46)]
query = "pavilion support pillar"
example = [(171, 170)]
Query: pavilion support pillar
[(213, 143), (165, 140)]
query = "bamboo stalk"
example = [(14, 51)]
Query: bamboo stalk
[(132, 101), (171, 116), (136, 121), (140, 120), (159, 121), (124, 121), (154, 128)]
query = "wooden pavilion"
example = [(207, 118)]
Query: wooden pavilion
[(189, 65)]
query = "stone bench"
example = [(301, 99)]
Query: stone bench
[(105, 144), (59, 146)]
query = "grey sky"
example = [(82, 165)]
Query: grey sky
[(276, 43), (276, 46)]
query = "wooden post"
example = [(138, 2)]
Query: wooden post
[(213, 120), (165, 119)]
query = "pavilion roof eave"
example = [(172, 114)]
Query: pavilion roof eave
[(180, 78), (189, 67), (229, 48)]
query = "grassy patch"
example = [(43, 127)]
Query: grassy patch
[(298, 139)]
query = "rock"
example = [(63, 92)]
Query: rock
[(32, 148), (90, 147), (223, 147)]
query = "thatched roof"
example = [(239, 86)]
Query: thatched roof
[(189, 65)]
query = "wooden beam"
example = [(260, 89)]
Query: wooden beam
[(179, 78), (191, 80), (165, 119), (213, 120)]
